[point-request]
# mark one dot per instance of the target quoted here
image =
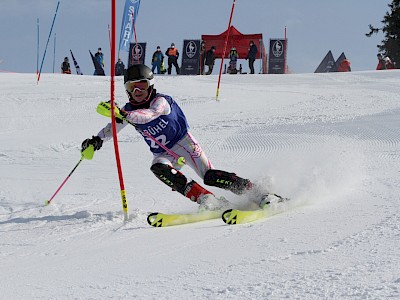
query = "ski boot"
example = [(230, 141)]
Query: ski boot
[(209, 202), (188, 187), (270, 199)]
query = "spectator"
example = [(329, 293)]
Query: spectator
[(119, 68), (381, 62), (99, 56), (210, 59), (173, 55), (157, 60), (344, 66), (251, 56), (233, 56), (202, 57), (388, 63), (65, 66)]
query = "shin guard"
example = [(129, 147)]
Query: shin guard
[(227, 181), (178, 182)]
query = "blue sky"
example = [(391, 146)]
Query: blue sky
[(313, 28)]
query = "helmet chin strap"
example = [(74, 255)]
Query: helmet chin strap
[(150, 90)]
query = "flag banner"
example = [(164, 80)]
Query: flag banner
[(276, 63), (78, 69), (129, 17), (190, 57), (338, 62), (327, 64), (137, 53), (97, 67)]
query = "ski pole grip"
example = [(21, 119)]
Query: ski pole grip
[(88, 152), (104, 109)]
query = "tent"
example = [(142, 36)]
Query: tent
[(327, 64), (239, 41)]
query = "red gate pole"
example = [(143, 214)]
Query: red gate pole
[(113, 122), (226, 43)]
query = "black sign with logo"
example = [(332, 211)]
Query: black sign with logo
[(137, 53), (190, 57), (276, 63)]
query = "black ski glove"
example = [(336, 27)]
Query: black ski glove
[(96, 141), (122, 113)]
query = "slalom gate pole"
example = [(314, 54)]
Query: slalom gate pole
[(109, 36), (54, 52), (37, 49), (113, 122), (65, 180), (226, 43), (134, 32), (48, 39)]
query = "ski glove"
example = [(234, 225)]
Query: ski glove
[(96, 141), (122, 113)]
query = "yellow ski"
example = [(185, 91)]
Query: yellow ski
[(163, 220), (237, 216)]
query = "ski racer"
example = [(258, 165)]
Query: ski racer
[(160, 116)]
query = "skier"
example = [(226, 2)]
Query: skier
[(160, 116)]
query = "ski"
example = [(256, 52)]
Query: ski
[(164, 220), (237, 216)]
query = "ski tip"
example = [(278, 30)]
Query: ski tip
[(153, 220), (226, 215)]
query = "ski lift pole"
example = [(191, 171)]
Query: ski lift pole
[(226, 43)]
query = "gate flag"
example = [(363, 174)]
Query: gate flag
[(129, 17)]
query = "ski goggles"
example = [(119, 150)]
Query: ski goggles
[(141, 85)]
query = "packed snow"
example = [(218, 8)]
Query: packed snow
[(330, 142)]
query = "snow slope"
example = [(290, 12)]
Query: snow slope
[(328, 141)]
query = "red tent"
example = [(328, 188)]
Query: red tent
[(239, 41)]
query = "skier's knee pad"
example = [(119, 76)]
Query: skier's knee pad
[(227, 181), (170, 176)]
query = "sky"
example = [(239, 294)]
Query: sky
[(313, 28), (330, 142)]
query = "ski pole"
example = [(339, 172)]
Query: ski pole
[(86, 154), (104, 109)]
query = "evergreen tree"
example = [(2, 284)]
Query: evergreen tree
[(391, 28)]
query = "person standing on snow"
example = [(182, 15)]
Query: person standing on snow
[(173, 56), (210, 60), (119, 68), (65, 66), (381, 62), (251, 56), (157, 60), (159, 115), (344, 66), (99, 56)]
